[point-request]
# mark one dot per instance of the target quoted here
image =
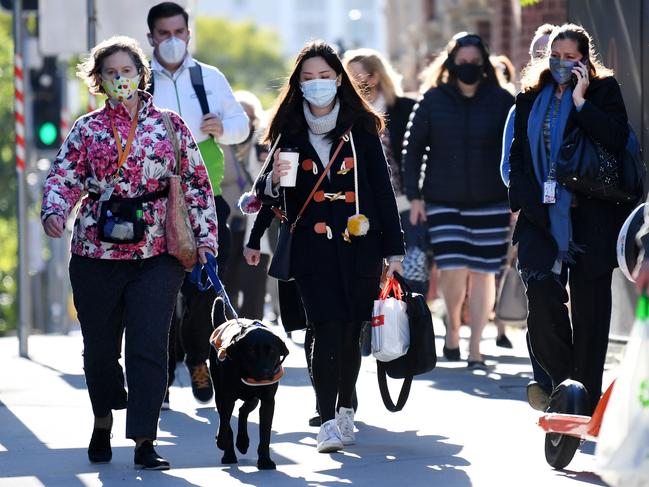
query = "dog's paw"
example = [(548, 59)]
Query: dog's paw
[(266, 464), (243, 442), (229, 458)]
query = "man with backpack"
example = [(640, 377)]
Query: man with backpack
[(201, 95)]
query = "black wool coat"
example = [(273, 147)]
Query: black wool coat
[(465, 140), (336, 279), (595, 223)]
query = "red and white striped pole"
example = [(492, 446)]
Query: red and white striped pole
[(24, 302), (19, 83)]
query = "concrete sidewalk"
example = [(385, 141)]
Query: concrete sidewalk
[(458, 429)]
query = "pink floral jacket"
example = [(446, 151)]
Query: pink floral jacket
[(87, 162)]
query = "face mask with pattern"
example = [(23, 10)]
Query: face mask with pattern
[(121, 88)]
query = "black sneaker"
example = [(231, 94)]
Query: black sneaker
[(146, 458), (201, 382), (99, 450), (315, 420), (503, 342)]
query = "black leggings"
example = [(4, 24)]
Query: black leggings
[(336, 362)]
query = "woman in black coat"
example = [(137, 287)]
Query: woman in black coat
[(566, 237), (346, 232), (462, 198)]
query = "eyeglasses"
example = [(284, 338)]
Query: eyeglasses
[(463, 39)]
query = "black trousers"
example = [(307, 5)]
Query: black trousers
[(242, 278), (138, 297), (202, 311), (335, 364), (571, 350)]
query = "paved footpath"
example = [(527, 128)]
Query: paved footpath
[(458, 429)]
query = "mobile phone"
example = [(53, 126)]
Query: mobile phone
[(573, 78)]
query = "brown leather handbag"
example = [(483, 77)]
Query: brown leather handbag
[(178, 229)]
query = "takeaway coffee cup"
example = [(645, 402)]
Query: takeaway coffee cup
[(292, 155)]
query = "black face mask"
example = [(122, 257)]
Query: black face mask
[(468, 73)]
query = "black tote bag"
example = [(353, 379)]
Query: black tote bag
[(421, 356)]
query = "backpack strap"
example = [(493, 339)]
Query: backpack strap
[(151, 88), (196, 76)]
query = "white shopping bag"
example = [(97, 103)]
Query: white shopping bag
[(390, 328), (622, 454)]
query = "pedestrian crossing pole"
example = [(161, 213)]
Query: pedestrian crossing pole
[(24, 305)]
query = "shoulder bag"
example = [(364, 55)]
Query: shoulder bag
[(599, 174), (280, 265), (178, 229)]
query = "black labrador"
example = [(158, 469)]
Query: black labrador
[(248, 366)]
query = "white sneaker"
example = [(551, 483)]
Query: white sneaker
[(329, 437), (345, 423)]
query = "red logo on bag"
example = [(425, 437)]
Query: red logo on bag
[(378, 320)]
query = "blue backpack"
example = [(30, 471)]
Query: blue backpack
[(632, 169)]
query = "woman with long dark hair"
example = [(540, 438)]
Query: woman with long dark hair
[(461, 118), (566, 237), (345, 233)]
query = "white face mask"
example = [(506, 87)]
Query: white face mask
[(172, 50), (319, 92)]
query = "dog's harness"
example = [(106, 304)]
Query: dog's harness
[(231, 331)]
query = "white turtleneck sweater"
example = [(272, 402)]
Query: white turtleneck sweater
[(319, 127)]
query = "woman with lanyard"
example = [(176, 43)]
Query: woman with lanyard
[(564, 237), (116, 161)]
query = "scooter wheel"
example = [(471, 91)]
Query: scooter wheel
[(560, 449), (569, 397)]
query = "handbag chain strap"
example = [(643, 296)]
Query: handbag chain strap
[(166, 119), (343, 139)]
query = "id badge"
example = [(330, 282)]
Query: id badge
[(550, 192), (108, 192)]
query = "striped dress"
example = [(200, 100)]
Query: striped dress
[(473, 238)]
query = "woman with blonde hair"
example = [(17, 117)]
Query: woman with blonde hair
[(381, 86)]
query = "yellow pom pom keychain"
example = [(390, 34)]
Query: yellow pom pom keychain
[(357, 225)]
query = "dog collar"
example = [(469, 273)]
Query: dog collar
[(279, 372)]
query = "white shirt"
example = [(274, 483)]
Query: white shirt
[(175, 92)]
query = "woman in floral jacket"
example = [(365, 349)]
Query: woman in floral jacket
[(116, 160)]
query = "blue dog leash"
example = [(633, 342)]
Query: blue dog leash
[(213, 280)]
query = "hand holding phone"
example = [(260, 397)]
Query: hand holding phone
[(580, 80)]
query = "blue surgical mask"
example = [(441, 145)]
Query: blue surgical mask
[(561, 69), (319, 92)]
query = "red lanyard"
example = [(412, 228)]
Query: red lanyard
[(123, 152)]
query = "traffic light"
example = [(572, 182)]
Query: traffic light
[(46, 105)]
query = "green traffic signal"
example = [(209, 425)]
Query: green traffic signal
[(47, 133)]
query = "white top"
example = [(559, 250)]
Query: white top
[(175, 92)]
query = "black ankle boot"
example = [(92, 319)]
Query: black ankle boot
[(99, 450), (146, 458)]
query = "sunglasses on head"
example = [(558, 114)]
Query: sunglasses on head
[(463, 39)]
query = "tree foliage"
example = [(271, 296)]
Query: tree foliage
[(8, 187), (249, 57)]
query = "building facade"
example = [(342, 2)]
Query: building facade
[(345, 23)]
